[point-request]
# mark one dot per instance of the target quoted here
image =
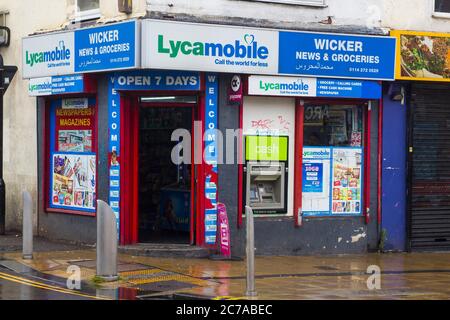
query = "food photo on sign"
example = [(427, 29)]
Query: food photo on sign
[(425, 56)]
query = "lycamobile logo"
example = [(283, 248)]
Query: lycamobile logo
[(58, 54), (307, 154), (249, 48), (297, 86), (40, 87)]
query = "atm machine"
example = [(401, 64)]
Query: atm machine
[(266, 174)]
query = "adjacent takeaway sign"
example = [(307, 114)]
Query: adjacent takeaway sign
[(422, 56), (109, 47)]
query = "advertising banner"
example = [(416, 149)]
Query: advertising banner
[(114, 149), (347, 180), (337, 55), (189, 46), (110, 47), (157, 80), (48, 55), (422, 56), (224, 231), (316, 177), (313, 87), (210, 156), (76, 83), (266, 148), (73, 181), (332, 181), (114, 46)]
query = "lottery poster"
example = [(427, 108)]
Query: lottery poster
[(73, 181)]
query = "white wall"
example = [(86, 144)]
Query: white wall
[(413, 15), (343, 12)]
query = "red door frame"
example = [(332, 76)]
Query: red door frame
[(129, 151), (298, 162)]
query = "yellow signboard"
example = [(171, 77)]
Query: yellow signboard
[(422, 56)]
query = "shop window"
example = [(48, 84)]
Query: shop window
[(72, 155), (313, 3), (330, 125), (441, 8), (87, 9), (332, 160)]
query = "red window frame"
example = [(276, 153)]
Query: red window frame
[(47, 153)]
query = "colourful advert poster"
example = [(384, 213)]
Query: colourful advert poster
[(74, 180), (316, 177), (347, 180)]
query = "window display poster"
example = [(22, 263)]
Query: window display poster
[(347, 180), (73, 181), (74, 128), (316, 181), (312, 177)]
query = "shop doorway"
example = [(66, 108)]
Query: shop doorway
[(165, 188)]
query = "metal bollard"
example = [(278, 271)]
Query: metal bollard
[(27, 226), (250, 252), (106, 242)]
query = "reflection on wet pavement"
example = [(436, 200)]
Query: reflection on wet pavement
[(403, 276)]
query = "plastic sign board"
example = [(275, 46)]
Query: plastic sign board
[(56, 85), (313, 87), (109, 47), (266, 148), (157, 80), (337, 55), (48, 55), (224, 231), (189, 46), (422, 56)]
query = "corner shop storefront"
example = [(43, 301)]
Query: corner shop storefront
[(127, 107)]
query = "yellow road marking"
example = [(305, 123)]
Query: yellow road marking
[(44, 286)]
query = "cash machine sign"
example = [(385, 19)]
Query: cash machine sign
[(266, 148)]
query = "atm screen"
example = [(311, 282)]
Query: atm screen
[(254, 197)]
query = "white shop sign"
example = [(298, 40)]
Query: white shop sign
[(48, 55), (189, 46)]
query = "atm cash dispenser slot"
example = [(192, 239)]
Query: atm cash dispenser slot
[(266, 186)]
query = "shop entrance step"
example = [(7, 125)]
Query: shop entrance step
[(165, 250)]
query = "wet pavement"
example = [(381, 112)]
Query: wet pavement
[(403, 276)]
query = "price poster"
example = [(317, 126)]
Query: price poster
[(347, 180), (316, 181)]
